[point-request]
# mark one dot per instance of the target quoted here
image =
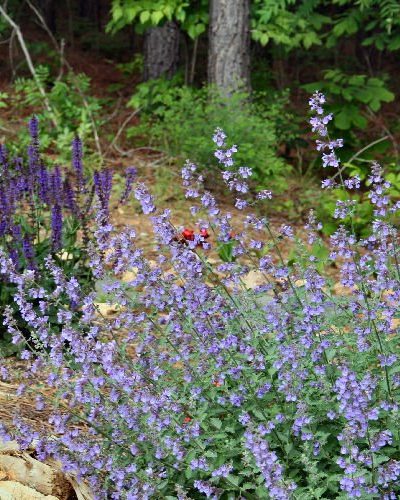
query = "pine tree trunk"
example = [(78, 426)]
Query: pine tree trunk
[(161, 51), (229, 44)]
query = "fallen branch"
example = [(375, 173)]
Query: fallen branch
[(122, 127)]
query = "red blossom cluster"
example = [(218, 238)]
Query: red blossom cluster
[(189, 235)]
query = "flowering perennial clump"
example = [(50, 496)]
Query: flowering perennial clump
[(46, 211), (203, 386)]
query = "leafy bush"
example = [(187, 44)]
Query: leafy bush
[(353, 94), (205, 386), (74, 114), (180, 119)]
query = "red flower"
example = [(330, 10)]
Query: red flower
[(204, 233), (186, 420), (188, 234)]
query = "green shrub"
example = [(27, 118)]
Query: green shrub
[(353, 95), (75, 111), (180, 121)]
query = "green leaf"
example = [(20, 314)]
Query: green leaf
[(216, 422), (156, 16), (264, 39), (343, 119), (168, 11), (380, 459), (261, 492), (234, 479), (144, 16), (320, 251), (259, 414), (394, 44), (117, 11)]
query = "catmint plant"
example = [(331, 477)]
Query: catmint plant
[(201, 386)]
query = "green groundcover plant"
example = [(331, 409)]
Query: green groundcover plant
[(204, 387)]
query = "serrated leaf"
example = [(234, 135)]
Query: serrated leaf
[(216, 422), (259, 414), (234, 479), (380, 459)]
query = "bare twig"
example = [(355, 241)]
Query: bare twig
[(8, 130), (7, 40), (134, 150), (61, 71), (115, 111), (356, 155), (122, 127), (10, 53), (31, 67)]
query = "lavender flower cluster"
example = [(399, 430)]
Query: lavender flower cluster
[(31, 188), (202, 386), (45, 211)]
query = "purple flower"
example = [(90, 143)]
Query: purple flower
[(199, 463), (222, 471), (56, 227), (387, 359), (264, 195), (145, 199), (270, 468), (29, 252), (77, 162), (130, 176), (219, 138), (103, 185), (206, 488), (316, 102)]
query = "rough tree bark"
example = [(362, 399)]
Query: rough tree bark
[(229, 44), (161, 51)]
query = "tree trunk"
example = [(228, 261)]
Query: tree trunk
[(48, 8), (229, 44), (91, 9), (161, 51)]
